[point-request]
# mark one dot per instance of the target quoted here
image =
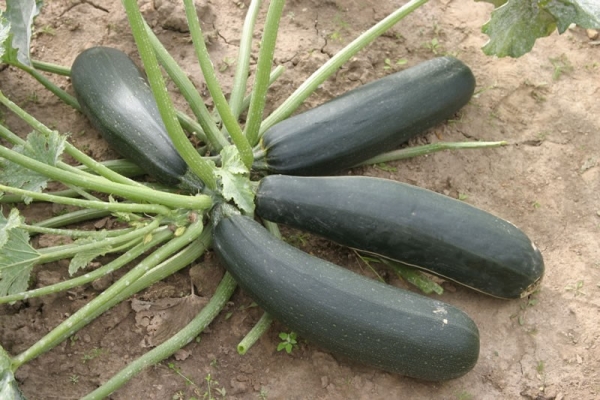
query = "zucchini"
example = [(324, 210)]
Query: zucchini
[(115, 96), (406, 223), (368, 120), (345, 313)]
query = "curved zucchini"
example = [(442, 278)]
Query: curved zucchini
[(368, 120), (114, 95), (348, 314), (406, 223)]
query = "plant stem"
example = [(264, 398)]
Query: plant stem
[(265, 320), (92, 182), (111, 296), (69, 148), (75, 233), (238, 90), (51, 86), (275, 74), (263, 70), (169, 347), (255, 333), (335, 62), (410, 152), (98, 205), (73, 217), (52, 68), (67, 251), (189, 92), (196, 164), (229, 120), (130, 255)]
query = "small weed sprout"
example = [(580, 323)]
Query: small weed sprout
[(288, 342)]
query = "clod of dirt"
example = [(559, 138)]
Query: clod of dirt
[(163, 318)]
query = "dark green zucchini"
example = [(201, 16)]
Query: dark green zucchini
[(115, 96), (368, 120), (348, 314), (416, 226)]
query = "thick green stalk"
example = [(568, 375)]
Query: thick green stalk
[(109, 297), (265, 320), (68, 251), (335, 62), (189, 92), (51, 86), (134, 193), (124, 259), (69, 148), (98, 205), (52, 68), (195, 162), (263, 70), (229, 120), (255, 333), (169, 347), (75, 233), (275, 74), (73, 217), (236, 99), (410, 152)]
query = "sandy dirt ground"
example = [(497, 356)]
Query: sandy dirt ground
[(546, 181)]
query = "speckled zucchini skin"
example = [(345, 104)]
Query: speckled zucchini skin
[(345, 313), (369, 120), (444, 236), (114, 95)]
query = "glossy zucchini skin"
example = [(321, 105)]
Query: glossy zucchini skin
[(345, 313), (368, 120), (439, 234), (115, 96)]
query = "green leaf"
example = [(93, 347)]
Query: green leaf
[(516, 24), (235, 184), (6, 224), (17, 258), (83, 258), (584, 13), (415, 277), (19, 16), (46, 149), (8, 384)]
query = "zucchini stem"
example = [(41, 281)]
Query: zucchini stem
[(236, 99), (124, 259), (119, 291), (189, 92), (255, 333), (176, 342), (335, 62), (195, 162), (263, 70), (410, 152), (229, 120), (92, 182)]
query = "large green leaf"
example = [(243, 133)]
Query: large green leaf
[(46, 149), (515, 25), (18, 19), (17, 257)]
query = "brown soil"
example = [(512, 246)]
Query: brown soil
[(547, 182)]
